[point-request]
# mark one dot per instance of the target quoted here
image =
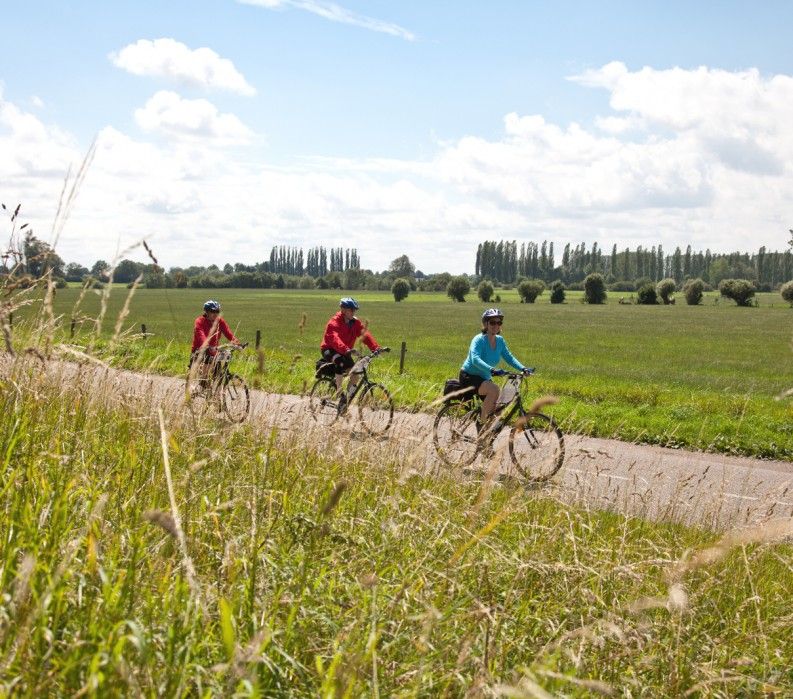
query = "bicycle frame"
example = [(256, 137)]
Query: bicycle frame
[(360, 367), (507, 411), (218, 368)]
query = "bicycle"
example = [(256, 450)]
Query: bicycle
[(375, 405), (536, 444), (229, 392)]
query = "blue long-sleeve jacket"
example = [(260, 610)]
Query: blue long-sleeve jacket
[(482, 359)]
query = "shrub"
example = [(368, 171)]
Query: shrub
[(739, 290), (306, 282), (665, 289), (557, 291), (485, 291), (692, 290), (594, 289), (400, 289), (787, 292), (457, 288), (530, 289), (622, 286), (498, 298), (647, 295)]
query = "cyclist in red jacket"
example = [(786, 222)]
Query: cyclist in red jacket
[(338, 343), (206, 337)]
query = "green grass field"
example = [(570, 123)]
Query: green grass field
[(704, 377), (251, 565)]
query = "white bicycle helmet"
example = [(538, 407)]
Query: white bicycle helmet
[(492, 313)]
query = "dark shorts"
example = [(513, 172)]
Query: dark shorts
[(471, 380), (201, 356), (342, 363)]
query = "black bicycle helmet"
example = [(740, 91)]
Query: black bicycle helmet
[(492, 313), (211, 307), (348, 302)]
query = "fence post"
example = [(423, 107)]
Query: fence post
[(402, 353), (143, 330), (71, 328), (258, 338)]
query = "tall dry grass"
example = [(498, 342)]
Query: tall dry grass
[(147, 552)]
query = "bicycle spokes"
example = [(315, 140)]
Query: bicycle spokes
[(323, 402), (536, 446), (375, 409)]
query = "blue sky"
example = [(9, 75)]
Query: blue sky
[(387, 126)]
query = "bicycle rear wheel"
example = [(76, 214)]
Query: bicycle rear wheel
[(236, 398), (536, 446), (323, 401), (455, 434), (375, 409)]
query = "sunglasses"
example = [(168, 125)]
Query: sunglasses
[(495, 322)]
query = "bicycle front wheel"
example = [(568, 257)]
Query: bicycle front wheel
[(455, 435), (236, 399), (323, 402), (375, 409), (536, 446)]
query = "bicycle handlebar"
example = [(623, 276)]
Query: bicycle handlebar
[(528, 371)]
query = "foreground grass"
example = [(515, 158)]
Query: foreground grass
[(313, 566), (704, 377)]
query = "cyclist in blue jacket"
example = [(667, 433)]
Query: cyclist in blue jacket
[(487, 349)]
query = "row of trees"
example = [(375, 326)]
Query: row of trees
[(502, 261), (319, 261)]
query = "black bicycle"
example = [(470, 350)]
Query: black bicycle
[(536, 444), (374, 402), (221, 388)]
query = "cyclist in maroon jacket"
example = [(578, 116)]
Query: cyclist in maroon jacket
[(338, 343), (206, 337)]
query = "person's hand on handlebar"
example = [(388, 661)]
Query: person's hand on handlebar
[(498, 372), (528, 370)]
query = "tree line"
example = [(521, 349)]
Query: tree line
[(502, 261), (497, 261)]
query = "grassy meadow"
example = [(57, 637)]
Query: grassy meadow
[(704, 377), (142, 558)]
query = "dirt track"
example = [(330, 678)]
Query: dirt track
[(711, 489)]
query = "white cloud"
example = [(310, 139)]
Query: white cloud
[(335, 13), (176, 117), (716, 173), (174, 60)]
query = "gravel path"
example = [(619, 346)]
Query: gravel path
[(646, 481)]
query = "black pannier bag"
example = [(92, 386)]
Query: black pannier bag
[(452, 388), (324, 368)]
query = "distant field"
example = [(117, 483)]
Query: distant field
[(703, 377)]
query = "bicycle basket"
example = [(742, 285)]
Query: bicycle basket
[(452, 390)]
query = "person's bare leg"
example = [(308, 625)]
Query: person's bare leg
[(489, 392)]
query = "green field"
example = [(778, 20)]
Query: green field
[(253, 565), (704, 377)]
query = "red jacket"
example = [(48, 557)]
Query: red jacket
[(340, 336), (203, 338)]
